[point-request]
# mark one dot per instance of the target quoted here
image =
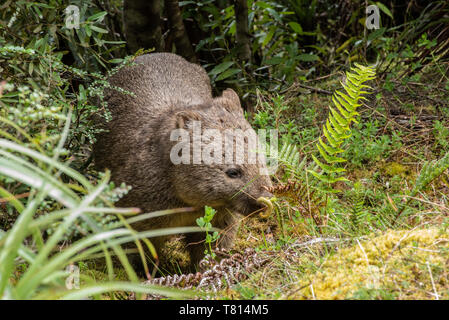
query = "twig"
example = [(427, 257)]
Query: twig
[(318, 90), (433, 283)]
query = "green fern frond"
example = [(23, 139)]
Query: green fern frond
[(296, 169), (327, 157), (334, 143), (358, 212), (289, 157), (327, 168), (330, 149), (429, 172), (337, 128), (327, 178)]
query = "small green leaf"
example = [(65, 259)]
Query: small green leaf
[(98, 16), (308, 57), (274, 61), (269, 36), (228, 73), (98, 29), (117, 60), (221, 68), (384, 9), (296, 27), (88, 31)]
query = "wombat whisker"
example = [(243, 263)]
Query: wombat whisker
[(246, 186), (249, 195)]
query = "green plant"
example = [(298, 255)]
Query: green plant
[(368, 144), (42, 24), (337, 128), (441, 133), (430, 171), (39, 245), (37, 102), (45, 260), (289, 158), (205, 224), (276, 114), (276, 47), (358, 212), (304, 186)]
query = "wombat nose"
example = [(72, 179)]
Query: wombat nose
[(260, 204), (266, 194)]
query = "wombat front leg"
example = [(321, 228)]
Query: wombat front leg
[(195, 245)]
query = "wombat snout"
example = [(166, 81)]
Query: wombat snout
[(261, 204)]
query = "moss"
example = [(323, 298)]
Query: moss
[(176, 252), (395, 169), (395, 265), (253, 231)]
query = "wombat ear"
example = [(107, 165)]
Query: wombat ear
[(183, 117), (232, 96), (230, 101)]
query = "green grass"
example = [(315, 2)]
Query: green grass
[(33, 264)]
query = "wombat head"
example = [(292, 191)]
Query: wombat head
[(216, 158)]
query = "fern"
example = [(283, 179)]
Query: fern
[(337, 128), (299, 190), (301, 195), (289, 158), (306, 193), (429, 172), (357, 210)]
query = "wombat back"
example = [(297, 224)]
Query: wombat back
[(160, 80)]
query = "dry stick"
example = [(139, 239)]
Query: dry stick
[(19, 196), (388, 119), (433, 283), (429, 202), (322, 77), (318, 90), (407, 202)]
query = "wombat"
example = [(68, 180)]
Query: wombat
[(169, 94)]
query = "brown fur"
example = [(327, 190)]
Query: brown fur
[(170, 93)]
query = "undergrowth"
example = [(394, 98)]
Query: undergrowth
[(362, 184)]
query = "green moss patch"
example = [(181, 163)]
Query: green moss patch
[(401, 264)]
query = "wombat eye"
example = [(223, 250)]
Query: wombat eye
[(234, 173)]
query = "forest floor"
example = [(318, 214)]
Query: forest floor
[(389, 253)]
